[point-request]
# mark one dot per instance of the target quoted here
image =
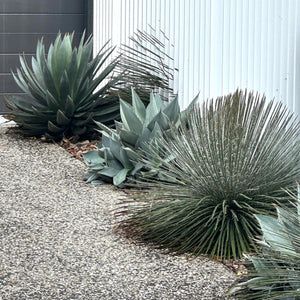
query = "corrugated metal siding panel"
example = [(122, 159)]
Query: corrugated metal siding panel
[(219, 45)]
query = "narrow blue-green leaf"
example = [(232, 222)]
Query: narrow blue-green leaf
[(138, 106), (129, 119), (120, 177)]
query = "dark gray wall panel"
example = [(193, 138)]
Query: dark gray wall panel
[(8, 85), (24, 22), (42, 6), (19, 43), (41, 23), (11, 62), (3, 109)]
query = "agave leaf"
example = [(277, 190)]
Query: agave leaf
[(78, 131), (21, 82), (120, 177), (138, 106), (172, 110), (53, 128), (101, 77), (103, 128), (38, 96), (128, 137), (51, 102), (153, 108), (64, 87), (28, 73), (132, 155), (59, 61), (40, 113), (109, 172), (113, 163), (40, 53), (32, 122), (72, 71), (84, 59), (48, 79), (129, 119), (91, 177), (105, 140), (20, 104), (144, 137), (124, 159), (119, 126), (92, 157), (50, 55), (272, 233), (69, 107), (84, 121), (276, 272), (156, 131), (38, 73), (107, 109), (137, 167), (62, 119), (161, 119), (115, 148)]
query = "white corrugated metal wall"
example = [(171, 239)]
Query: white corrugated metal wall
[(219, 45)]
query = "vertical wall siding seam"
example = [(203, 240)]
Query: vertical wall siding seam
[(297, 60), (217, 45)]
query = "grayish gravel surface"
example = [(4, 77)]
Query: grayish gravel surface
[(57, 238)]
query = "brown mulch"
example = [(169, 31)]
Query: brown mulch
[(76, 149)]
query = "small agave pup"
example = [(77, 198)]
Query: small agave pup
[(117, 157), (63, 100)]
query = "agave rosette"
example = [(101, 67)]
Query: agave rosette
[(119, 155), (63, 89)]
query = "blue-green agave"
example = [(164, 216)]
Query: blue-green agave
[(118, 156), (67, 90)]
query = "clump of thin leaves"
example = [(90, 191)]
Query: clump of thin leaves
[(145, 66), (275, 274), (230, 162)]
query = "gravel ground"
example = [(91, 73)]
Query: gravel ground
[(57, 238)]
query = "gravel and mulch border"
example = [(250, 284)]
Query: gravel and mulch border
[(57, 237)]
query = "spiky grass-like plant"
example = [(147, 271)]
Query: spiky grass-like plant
[(275, 274), (231, 160), (146, 66)]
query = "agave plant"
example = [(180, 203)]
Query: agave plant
[(275, 274), (64, 90), (230, 162), (117, 157)]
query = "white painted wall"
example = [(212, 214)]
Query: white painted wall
[(219, 45)]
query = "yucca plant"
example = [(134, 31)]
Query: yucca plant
[(68, 89), (275, 274), (230, 162), (117, 157)]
